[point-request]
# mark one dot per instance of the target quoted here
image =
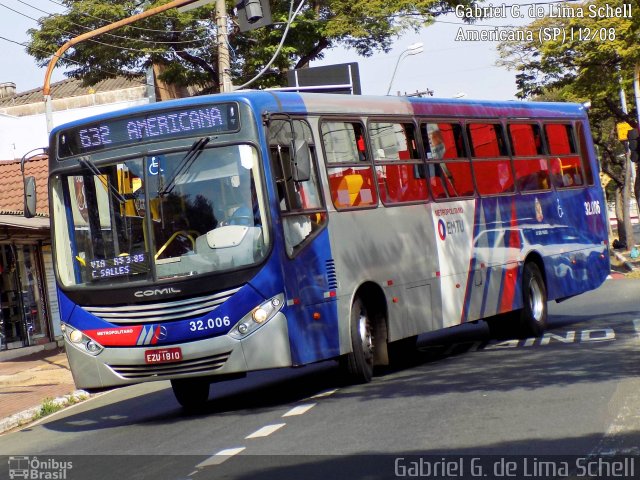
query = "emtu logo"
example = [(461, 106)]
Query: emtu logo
[(442, 229)]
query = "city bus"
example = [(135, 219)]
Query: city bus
[(203, 238)]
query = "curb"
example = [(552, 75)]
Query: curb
[(624, 261), (27, 416)]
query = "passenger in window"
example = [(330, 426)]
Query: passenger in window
[(436, 142), (361, 147), (441, 171)]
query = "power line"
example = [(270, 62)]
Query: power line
[(146, 52), (117, 74), (131, 26), (89, 29)]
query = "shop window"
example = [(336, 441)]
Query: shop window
[(22, 317)]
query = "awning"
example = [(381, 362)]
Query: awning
[(18, 221)]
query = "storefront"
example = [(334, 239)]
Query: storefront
[(26, 313)]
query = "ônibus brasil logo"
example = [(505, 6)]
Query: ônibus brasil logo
[(38, 469)]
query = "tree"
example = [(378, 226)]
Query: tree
[(183, 45), (591, 58)]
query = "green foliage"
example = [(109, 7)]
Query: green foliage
[(48, 407), (184, 44)]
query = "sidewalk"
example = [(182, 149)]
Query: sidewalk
[(25, 382)]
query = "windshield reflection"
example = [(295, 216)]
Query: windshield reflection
[(159, 217)]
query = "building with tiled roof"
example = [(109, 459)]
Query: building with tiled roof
[(29, 314), (11, 186), (23, 125)]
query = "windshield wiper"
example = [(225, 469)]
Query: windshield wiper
[(86, 162), (192, 154)]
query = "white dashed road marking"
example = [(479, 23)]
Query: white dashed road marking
[(266, 430), (220, 457), (325, 394), (299, 410)]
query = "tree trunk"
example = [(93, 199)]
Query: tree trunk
[(621, 231)]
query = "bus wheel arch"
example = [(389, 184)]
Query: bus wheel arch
[(368, 333)]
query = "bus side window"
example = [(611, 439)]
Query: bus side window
[(448, 167), (351, 179), (300, 202), (398, 163), (531, 169), (564, 163), (493, 174)]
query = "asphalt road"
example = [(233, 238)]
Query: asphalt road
[(572, 394)]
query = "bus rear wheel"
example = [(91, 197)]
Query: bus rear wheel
[(358, 364), (533, 316), (191, 393)]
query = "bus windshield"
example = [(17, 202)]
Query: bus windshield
[(159, 217)]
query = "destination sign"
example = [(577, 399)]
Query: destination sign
[(123, 266), (112, 133)]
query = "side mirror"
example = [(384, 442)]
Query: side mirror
[(29, 197), (301, 168)]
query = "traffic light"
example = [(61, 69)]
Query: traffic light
[(633, 136)]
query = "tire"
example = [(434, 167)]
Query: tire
[(192, 394), (358, 365), (533, 316)]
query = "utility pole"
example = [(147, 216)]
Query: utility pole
[(224, 77), (626, 191)]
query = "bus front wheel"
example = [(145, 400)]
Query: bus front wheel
[(191, 393), (533, 316), (358, 364)]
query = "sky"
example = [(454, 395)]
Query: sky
[(447, 67)]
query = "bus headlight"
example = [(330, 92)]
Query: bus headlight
[(257, 317), (81, 341)]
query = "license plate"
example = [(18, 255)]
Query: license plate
[(163, 355)]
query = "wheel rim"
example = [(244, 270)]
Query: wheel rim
[(536, 302), (366, 339)]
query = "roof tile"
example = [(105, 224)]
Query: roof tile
[(12, 186)]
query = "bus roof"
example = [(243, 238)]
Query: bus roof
[(325, 103)]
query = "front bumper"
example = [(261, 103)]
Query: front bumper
[(267, 347)]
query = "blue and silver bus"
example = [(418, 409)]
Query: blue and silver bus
[(199, 239)]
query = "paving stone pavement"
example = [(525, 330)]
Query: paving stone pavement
[(26, 382)]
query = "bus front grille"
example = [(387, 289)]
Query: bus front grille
[(198, 365), (161, 312)]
